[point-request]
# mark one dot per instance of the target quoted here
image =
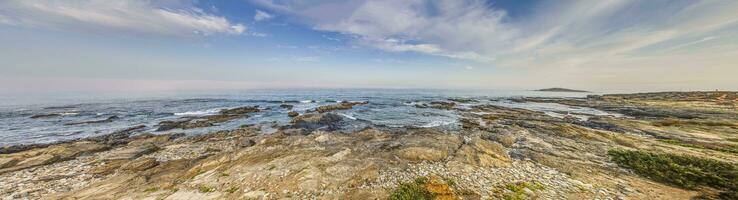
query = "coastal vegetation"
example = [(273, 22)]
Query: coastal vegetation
[(685, 171)]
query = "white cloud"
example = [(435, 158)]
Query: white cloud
[(553, 40), (570, 32), (135, 16), (262, 16)]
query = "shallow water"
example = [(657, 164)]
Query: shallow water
[(391, 108)]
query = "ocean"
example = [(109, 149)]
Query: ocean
[(385, 108)]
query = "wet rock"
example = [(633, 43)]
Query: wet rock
[(207, 121), (116, 138), (442, 105), (240, 111), (593, 124), (39, 160), (22, 147), (246, 143), (286, 106), (327, 121), (45, 115), (109, 119), (463, 100), (468, 123), (340, 106), (59, 107), (140, 164), (169, 125), (293, 114)]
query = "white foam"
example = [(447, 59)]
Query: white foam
[(436, 124), (69, 113), (348, 116), (200, 112)]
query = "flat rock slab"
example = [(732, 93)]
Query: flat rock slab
[(47, 155), (130, 153), (140, 164), (422, 153)]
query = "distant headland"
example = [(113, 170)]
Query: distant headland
[(559, 90)]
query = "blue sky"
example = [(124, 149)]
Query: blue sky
[(141, 45)]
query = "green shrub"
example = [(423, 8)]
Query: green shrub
[(410, 191), (680, 170)]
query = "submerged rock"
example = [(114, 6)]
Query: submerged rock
[(293, 114), (286, 106), (45, 115), (437, 105), (109, 119), (340, 106)]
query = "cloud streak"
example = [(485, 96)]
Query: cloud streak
[(579, 41), (134, 16), (477, 30), (262, 16)]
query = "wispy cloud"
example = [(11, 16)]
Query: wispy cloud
[(570, 32), (262, 16), (581, 41), (134, 16)]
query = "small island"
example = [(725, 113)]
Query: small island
[(559, 90)]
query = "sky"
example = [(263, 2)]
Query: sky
[(148, 45)]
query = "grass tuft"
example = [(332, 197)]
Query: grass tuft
[(517, 190), (151, 189), (205, 189), (232, 189)]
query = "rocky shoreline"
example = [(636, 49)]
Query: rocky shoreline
[(498, 153)]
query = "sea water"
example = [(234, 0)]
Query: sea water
[(386, 108)]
